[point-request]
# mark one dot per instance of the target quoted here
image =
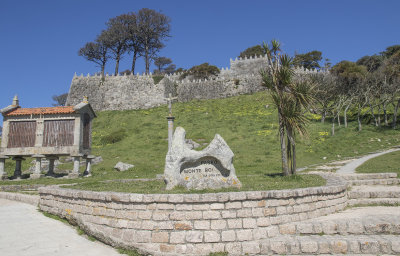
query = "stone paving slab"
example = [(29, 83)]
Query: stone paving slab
[(361, 221), (26, 232), (332, 244), (374, 201), (365, 191), (29, 199), (374, 182)]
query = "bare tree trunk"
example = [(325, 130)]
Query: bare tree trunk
[(338, 118), (385, 114), (323, 116), (333, 124), (372, 112), (395, 113), (293, 156), (291, 150), (379, 115), (146, 57), (134, 62), (283, 147), (345, 115), (359, 119), (102, 70), (117, 64)]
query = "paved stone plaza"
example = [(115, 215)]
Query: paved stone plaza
[(25, 231)]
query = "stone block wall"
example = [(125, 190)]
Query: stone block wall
[(140, 91), (117, 92), (192, 224), (248, 65)]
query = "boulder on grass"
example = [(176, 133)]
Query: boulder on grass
[(120, 166)]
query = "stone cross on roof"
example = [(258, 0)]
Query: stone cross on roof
[(169, 100)]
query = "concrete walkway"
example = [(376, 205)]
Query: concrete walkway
[(25, 231), (352, 166)]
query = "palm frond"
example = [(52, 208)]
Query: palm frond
[(286, 61), (275, 46)]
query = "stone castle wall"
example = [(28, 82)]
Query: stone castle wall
[(194, 224), (140, 91)]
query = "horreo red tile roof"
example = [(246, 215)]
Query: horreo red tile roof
[(42, 111)]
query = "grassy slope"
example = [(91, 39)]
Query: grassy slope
[(386, 163), (244, 122)]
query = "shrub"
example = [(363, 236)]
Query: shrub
[(252, 51), (201, 71), (157, 78), (113, 137)]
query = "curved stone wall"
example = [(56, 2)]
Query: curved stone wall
[(193, 224)]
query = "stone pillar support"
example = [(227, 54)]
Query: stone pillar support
[(38, 166), (51, 159), (170, 130), (75, 171), (3, 174), (88, 169), (18, 167)]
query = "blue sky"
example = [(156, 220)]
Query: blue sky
[(39, 40)]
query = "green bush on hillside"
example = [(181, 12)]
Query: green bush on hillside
[(113, 137), (157, 78), (202, 71)]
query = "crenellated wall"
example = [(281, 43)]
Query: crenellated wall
[(193, 224), (140, 92)]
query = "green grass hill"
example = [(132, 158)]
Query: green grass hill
[(248, 123)]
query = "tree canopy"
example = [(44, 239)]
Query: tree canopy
[(96, 52), (153, 27), (256, 50), (349, 72), (141, 34), (391, 50), (309, 60), (60, 100), (161, 62), (372, 63), (202, 71)]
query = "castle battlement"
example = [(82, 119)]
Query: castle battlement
[(121, 92)]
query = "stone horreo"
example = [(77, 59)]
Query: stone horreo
[(47, 132), (210, 168)]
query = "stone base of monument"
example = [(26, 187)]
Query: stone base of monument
[(3, 177), (211, 168), (36, 176)]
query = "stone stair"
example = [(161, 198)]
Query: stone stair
[(374, 195), (331, 244), (357, 179), (365, 230)]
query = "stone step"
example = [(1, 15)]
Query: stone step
[(374, 192), (390, 181), (327, 244), (369, 176), (374, 201), (356, 221)]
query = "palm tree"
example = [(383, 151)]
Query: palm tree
[(290, 97)]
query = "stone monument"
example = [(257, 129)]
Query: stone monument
[(210, 168)]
